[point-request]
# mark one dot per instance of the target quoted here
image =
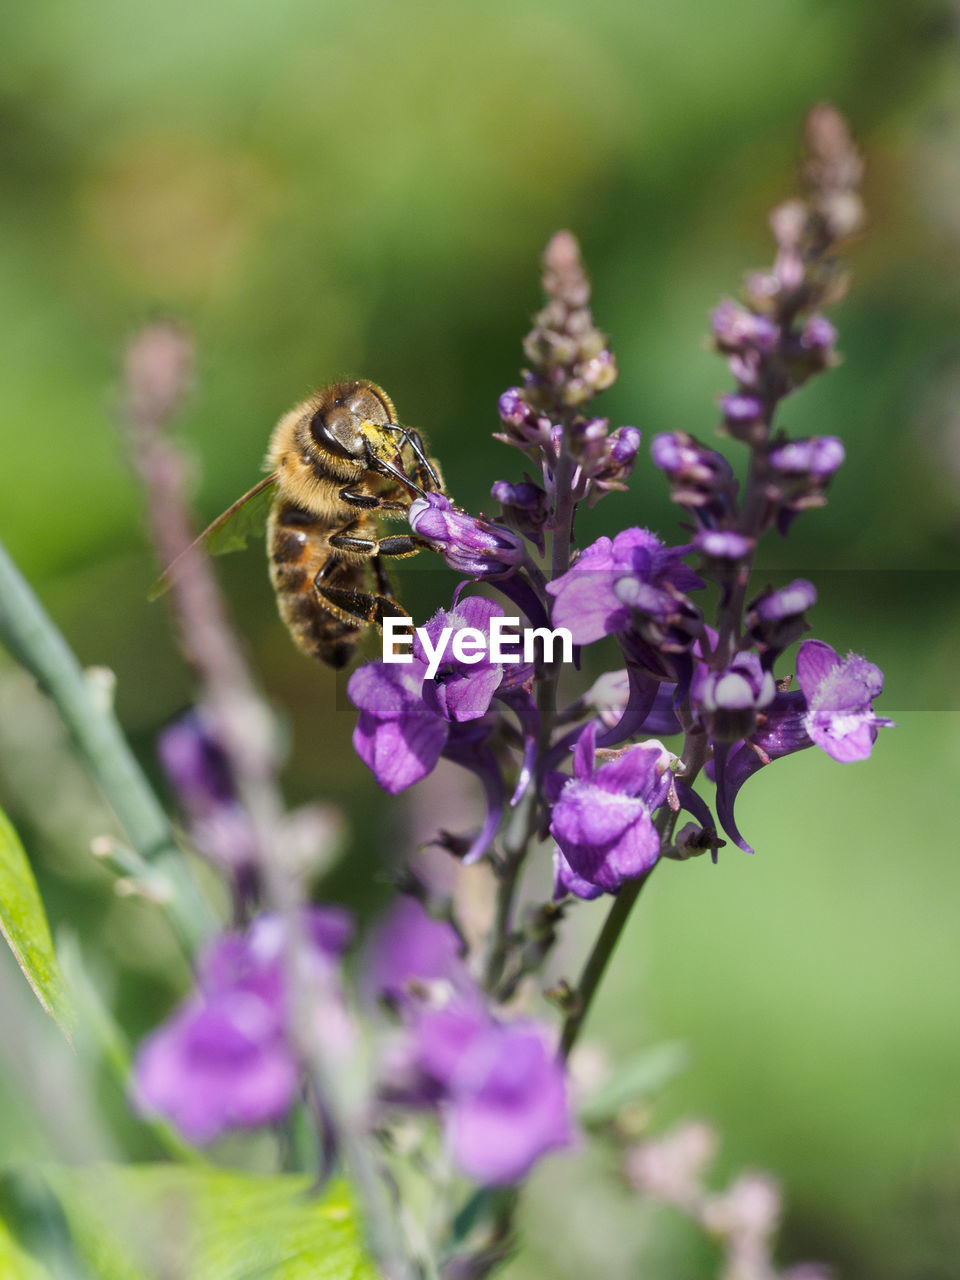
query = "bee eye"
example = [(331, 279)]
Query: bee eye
[(337, 433)]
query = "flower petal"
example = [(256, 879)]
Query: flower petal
[(815, 661), (400, 752)]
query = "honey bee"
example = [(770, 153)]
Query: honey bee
[(337, 461)]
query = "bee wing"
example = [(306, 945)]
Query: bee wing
[(229, 532)]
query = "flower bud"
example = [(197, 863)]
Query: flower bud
[(723, 544), (700, 478), (800, 472), (744, 417), (727, 701), (776, 618), (469, 544), (526, 428), (735, 329)]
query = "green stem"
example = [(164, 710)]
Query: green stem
[(515, 844), (598, 960), (28, 632)]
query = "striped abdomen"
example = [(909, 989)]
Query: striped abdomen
[(297, 548)]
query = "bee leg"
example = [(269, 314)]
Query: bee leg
[(361, 606), (424, 469), (384, 585), (396, 545), (371, 501)]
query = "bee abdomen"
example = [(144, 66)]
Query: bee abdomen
[(298, 549)]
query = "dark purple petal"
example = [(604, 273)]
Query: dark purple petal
[(457, 695), (640, 700), (583, 755), (518, 590), (525, 709), (730, 775), (566, 880), (195, 763), (695, 804), (781, 733), (662, 719), (479, 759)]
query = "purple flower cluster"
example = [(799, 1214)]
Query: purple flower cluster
[(714, 682), (702, 661), (408, 721), (197, 767), (225, 1059), (502, 1094)]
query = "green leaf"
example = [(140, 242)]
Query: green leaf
[(15, 1263), (141, 1221), (635, 1081), (23, 922)]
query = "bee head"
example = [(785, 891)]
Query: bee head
[(337, 424)]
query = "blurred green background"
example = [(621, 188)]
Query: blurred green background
[(322, 190)]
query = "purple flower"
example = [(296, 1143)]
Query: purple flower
[(461, 690), (612, 582), (737, 330), (404, 722), (502, 1091), (723, 544), (224, 1060), (216, 1067), (839, 693), (409, 945), (776, 618), (701, 479), (197, 766), (566, 880), (819, 457), (615, 461), (743, 415), (525, 506), (602, 818), (397, 736), (832, 710), (195, 762), (817, 334), (799, 475), (526, 427), (469, 544), (727, 701)]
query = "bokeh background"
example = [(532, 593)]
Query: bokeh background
[(322, 190)]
